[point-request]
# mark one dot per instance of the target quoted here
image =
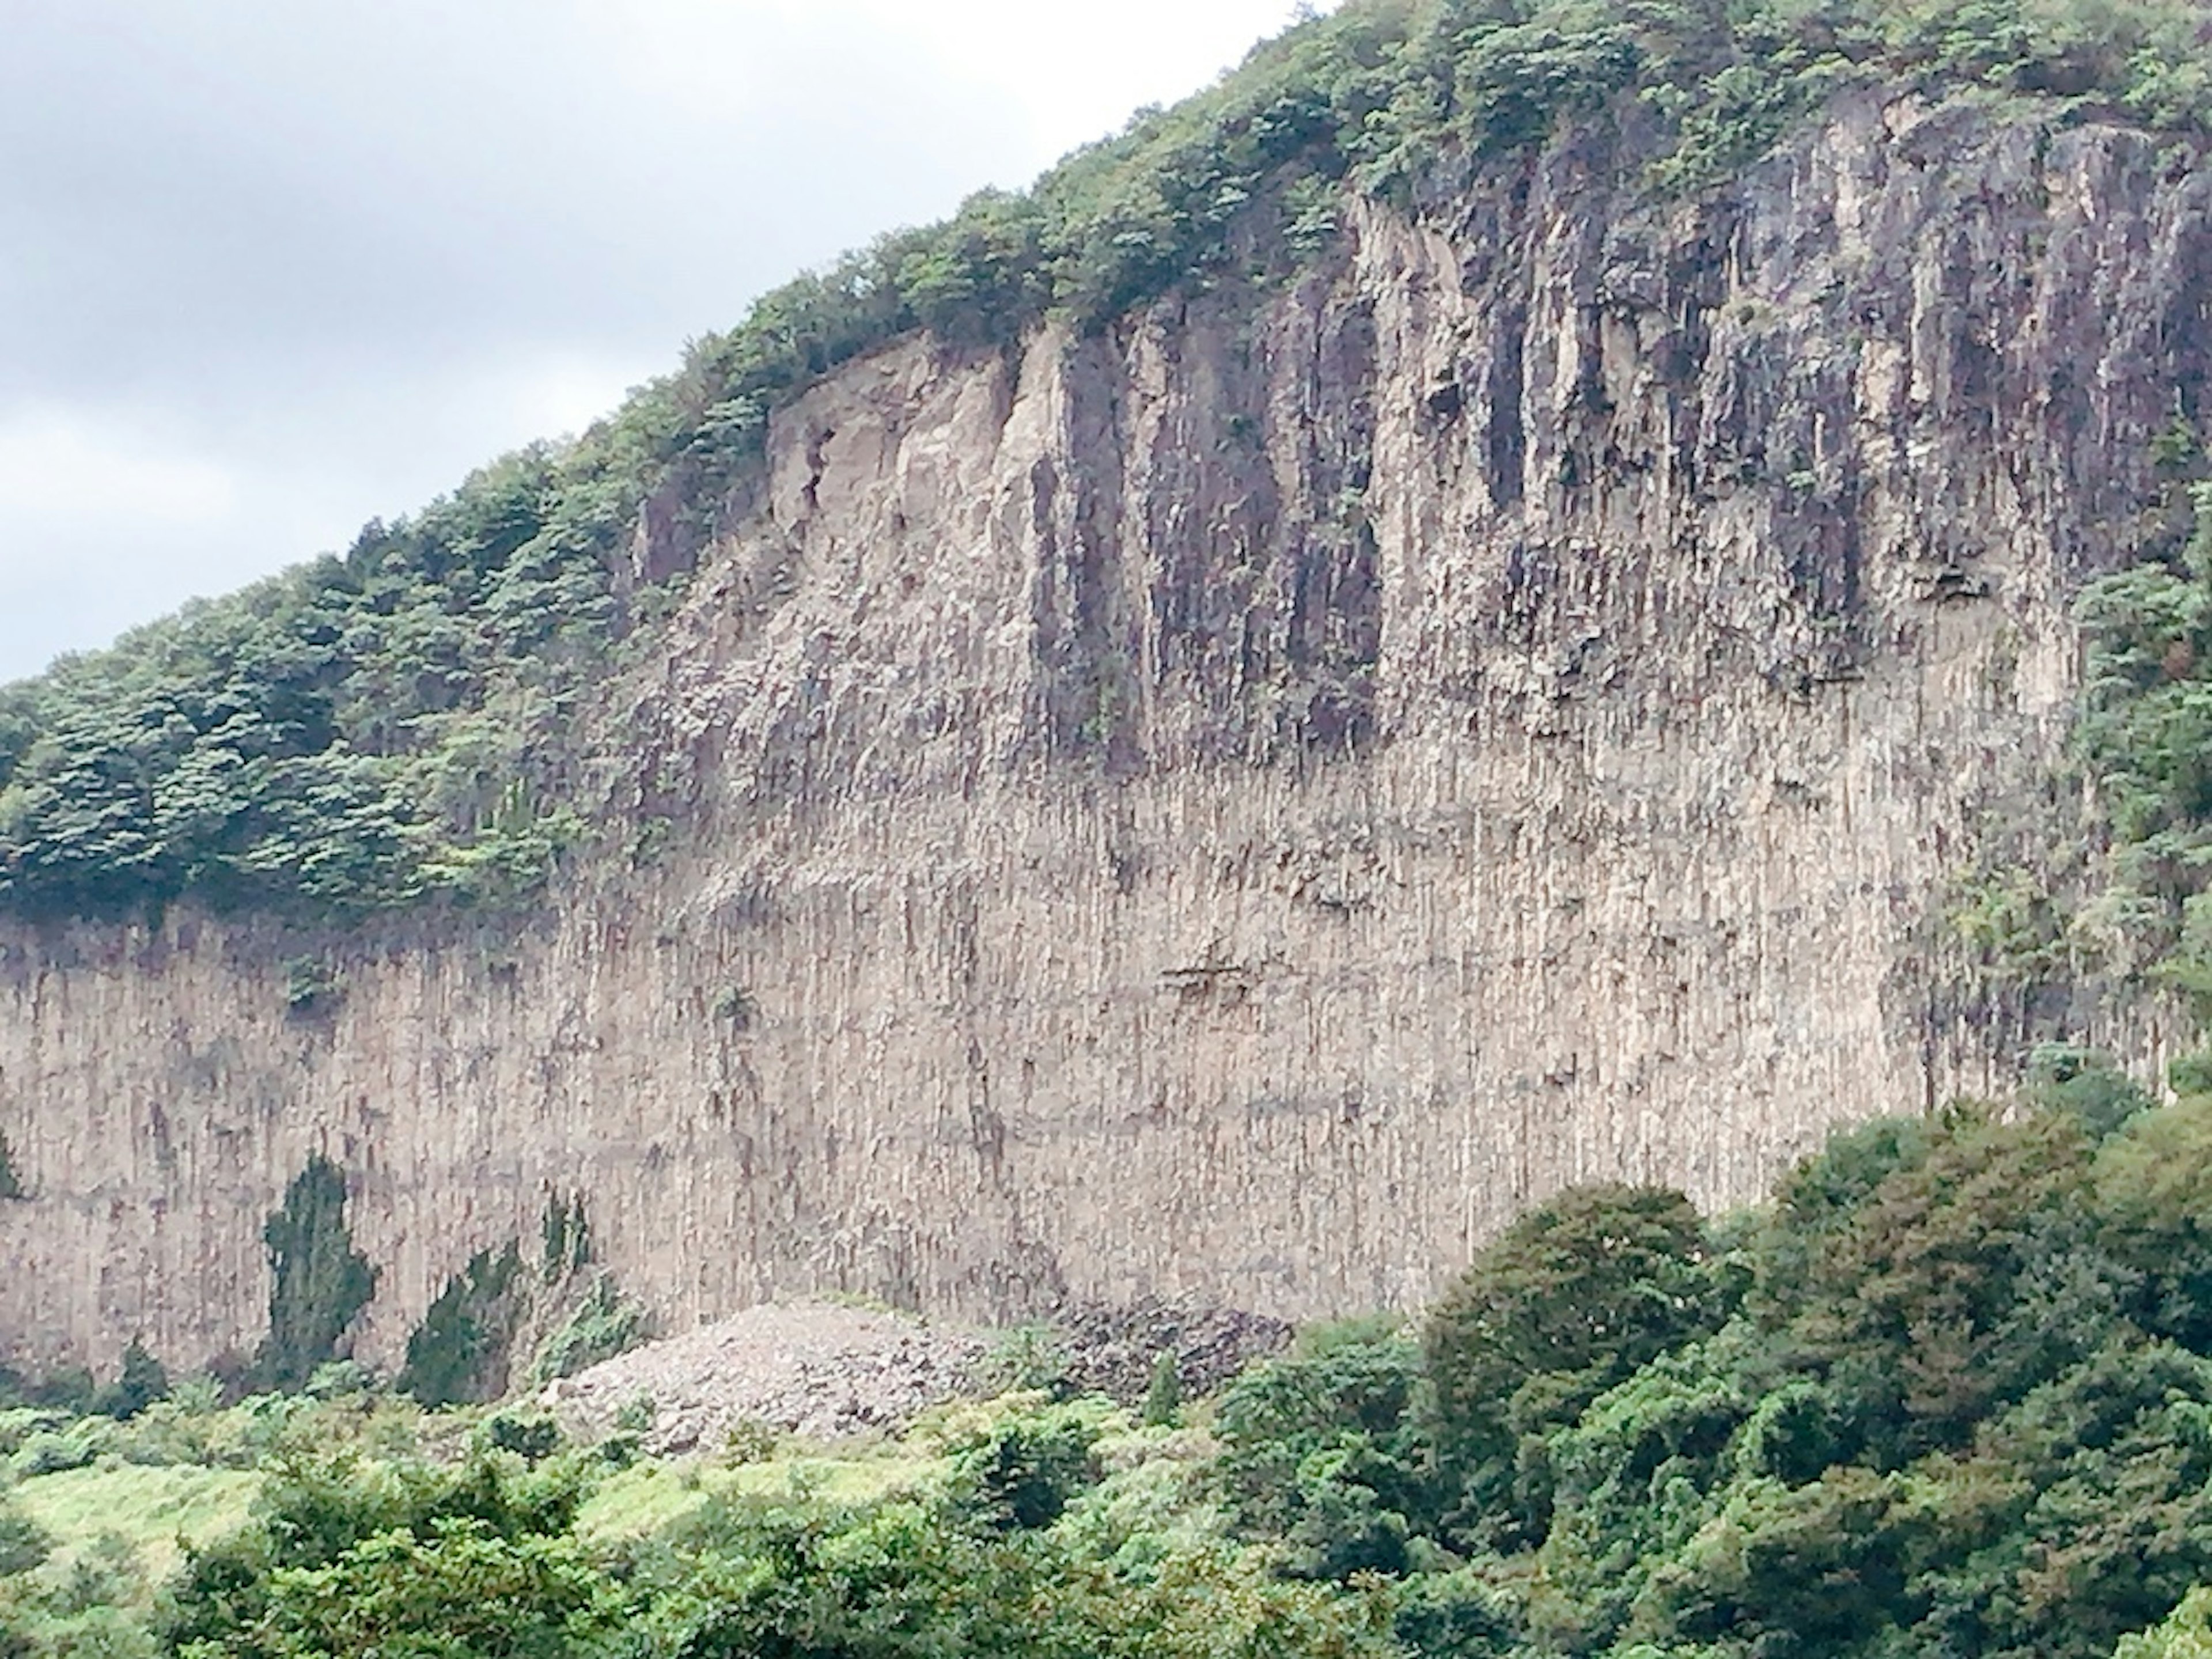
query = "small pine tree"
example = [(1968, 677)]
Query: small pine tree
[(143, 1380), (1164, 1395), (318, 1281)]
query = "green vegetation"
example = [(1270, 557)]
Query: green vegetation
[(494, 1313), (149, 1507), (1948, 1393), (357, 733), (318, 1281), (2145, 737), (143, 1381), (566, 1232), (603, 1324), (459, 1351), (2122, 884), (406, 724)]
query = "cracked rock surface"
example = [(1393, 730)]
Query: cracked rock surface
[(1237, 804)]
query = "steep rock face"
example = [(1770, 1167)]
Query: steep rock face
[(1237, 805)]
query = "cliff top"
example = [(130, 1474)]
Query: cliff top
[(408, 723)]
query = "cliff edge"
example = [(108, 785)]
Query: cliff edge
[(1237, 801)]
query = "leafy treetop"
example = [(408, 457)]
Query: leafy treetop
[(401, 725)]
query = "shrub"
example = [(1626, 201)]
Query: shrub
[(49, 1453), (531, 1436), (1163, 1393), (318, 1281), (24, 1544), (1030, 1465), (459, 1351), (143, 1380), (604, 1324)]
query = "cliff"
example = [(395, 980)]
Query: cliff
[(1238, 802)]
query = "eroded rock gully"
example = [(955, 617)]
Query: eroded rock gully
[(1234, 806)]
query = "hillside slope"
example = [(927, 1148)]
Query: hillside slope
[(1233, 799)]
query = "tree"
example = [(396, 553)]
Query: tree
[(1569, 1300), (1322, 1448), (1949, 1285), (318, 1281), (143, 1380)]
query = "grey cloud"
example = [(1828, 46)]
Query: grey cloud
[(190, 188), (323, 247)]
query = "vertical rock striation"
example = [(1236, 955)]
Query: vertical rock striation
[(1237, 804)]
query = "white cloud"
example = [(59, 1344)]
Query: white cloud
[(278, 266), (1078, 72), (59, 467)]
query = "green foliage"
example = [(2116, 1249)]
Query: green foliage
[(2143, 736), (1950, 1286), (1568, 1301), (605, 1323), (2187, 1633), (354, 734), (11, 1184), (309, 985), (750, 1440), (318, 1281), (408, 1558), (459, 1351), (1950, 1393), (2087, 1083), (1027, 1469), (24, 1544), (531, 1436), (1163, 1393), (142, 1381), (1024, 1360), (48, 1452), (459, 1591), (566, 1235), (1322, 1449), (406, 724), (2014, 924), (910, 1578), (2080, 1513), (91, 1632), (1961, 1409)]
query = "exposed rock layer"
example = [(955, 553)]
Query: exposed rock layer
[(1237, 805)]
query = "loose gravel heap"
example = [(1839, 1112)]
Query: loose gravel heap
[(1112, 1351), (824, 1370), (815, 1368)]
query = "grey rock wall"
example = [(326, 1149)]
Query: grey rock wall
[(1236, 806)]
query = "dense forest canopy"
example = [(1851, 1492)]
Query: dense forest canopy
[(401, 724)]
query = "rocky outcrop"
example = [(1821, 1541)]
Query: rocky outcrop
[(1237, 805)]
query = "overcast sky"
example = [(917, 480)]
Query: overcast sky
[(274, 267)]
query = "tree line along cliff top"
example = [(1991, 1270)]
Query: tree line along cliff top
[(397, 726)]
